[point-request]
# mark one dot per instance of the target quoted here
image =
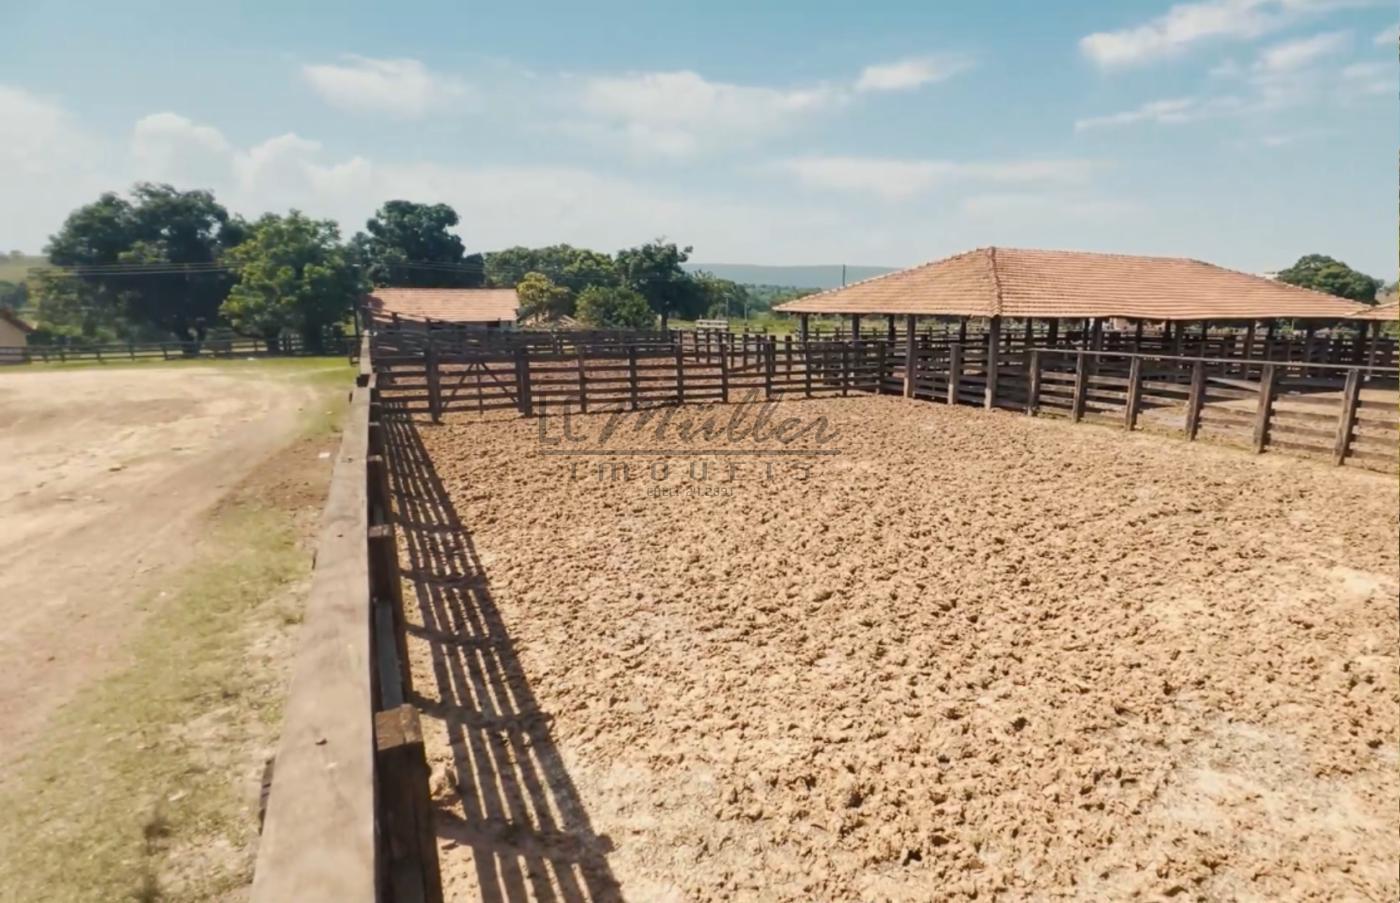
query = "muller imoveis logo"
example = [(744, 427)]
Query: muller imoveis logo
[(750, 428)]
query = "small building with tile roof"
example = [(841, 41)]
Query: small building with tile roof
[(467, 306)]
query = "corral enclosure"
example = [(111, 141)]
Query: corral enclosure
[(969, 652)]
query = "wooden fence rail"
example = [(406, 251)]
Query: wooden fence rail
[(1345, 412), (349, 815)]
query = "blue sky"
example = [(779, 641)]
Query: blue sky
[(1245, 132)]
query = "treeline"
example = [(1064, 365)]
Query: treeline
[(163, 264)]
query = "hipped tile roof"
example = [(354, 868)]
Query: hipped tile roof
[(453, 305), (1015, 282), (1385, 312)]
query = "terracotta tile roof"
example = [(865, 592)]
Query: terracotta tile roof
[(454, 305), (1013, 282), (1387, 311)]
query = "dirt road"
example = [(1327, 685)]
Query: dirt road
[(103, 477)]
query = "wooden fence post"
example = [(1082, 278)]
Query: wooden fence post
[(522, 380), (806, 364), (434, 382), (1130, 409), (846, 348), (909, 356), (954, 372), (1268, 384), (1033, 382), (632, 374), (1076, 409), (769, 364), (723, 368), (989, 395), (412, 871), (880, 359), (1351, 396), (582, 382), (680, 374), (1195, 398)]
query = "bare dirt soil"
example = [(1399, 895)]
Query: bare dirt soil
[(104, 475), (973, 655)]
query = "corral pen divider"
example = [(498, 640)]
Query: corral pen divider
[(1306, 404)]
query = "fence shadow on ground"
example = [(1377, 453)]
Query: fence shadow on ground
[(516, 807)]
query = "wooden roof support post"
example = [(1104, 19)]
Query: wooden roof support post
[(803, 326), (1137, 337), (909, 331), (989, 396), (1030, 334), (1096, 342), (1356, 353), (1269, 339), (1176, 338), (1308, 332), (1249, 343), (1052, 335), (889, 328), (855, 327), (962, 330)]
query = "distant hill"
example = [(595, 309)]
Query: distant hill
[(16, 269), (820, 276)]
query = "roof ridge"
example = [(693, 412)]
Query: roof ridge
[(996, 279)]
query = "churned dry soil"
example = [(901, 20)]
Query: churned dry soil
[(969, 655)]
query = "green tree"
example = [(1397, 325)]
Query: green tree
[(540, 297), (1326, 274), (408, 244), (654, 271), (151, 259), (614, 307), (13, 294), (574, 268), (294, 275), (722, 297)]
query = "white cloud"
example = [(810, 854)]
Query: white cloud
[(893, 179), (48, 165), (679, 113), (402, 88), (1370, 79), (910, 73), (1387, 37), (1163, 112), (1293, 55), (1186, 25)]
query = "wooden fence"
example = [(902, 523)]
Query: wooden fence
[(1345, 412), (170, 351), (348, 814)]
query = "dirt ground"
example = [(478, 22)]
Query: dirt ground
[(104, 474), (973, 655)]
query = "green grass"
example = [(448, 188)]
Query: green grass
[(143, 785)]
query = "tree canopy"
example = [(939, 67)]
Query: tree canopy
[(654, 271), (614, 307), (541, 298), (1326, 274), (142, 257), (293, 275), (408, 244)]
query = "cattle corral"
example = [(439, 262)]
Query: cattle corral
[(921, 649), (972, 652)]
